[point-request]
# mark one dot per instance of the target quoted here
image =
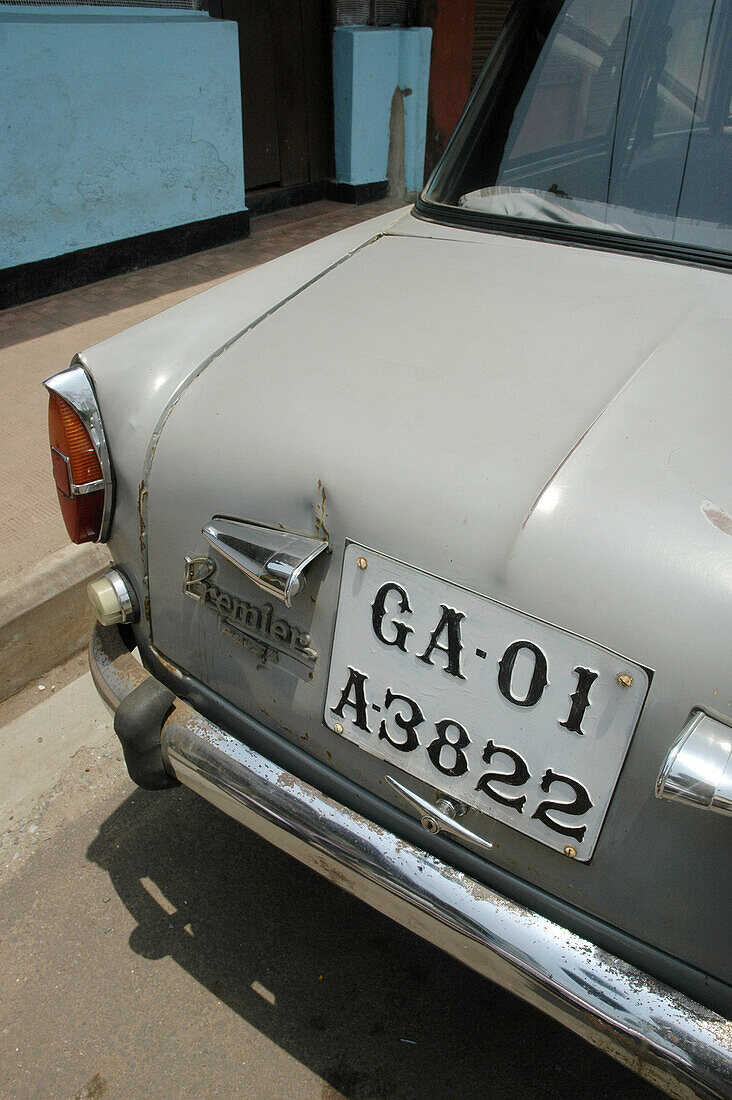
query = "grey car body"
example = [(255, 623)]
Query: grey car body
[(535, 420)]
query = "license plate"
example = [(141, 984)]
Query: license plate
[(519, 719)]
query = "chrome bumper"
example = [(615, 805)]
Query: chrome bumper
[(672, 1041)]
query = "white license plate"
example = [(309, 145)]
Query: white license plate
[(521, 720)]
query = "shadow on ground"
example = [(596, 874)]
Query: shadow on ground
[(367, 1006)]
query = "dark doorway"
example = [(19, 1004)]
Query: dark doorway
[(287, 89)]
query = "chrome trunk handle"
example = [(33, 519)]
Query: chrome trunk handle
[(275, 560)]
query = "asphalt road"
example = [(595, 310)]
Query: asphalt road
[(150, 946)]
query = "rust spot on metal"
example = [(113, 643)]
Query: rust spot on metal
[(717, 517), (166, 663), (320, 513), (288, 782), (141, 514), (141, 503)]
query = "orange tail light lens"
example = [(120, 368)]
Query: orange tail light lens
[(77, 471)]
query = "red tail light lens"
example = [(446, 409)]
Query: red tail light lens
[(77, 472)]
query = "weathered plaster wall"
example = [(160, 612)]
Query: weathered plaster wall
[(114, 122), (451, 62), (369, 64)]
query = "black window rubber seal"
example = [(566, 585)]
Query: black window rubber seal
[(649, 247)]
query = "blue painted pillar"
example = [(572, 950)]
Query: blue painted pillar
[(369, 64), (116, 122)]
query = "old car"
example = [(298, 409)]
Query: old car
[(423, 536)]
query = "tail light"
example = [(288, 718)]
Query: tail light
[(79, 456)]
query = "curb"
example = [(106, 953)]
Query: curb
[(44, 615)]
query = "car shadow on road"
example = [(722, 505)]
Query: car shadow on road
[(374, 1011)]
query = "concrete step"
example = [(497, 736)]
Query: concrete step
[(44, 614)]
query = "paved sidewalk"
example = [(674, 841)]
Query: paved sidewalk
[(38, 339)]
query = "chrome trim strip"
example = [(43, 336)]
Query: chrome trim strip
[(698, 768), (675, 1043), (124, 593), (87, 487), (75, 386)]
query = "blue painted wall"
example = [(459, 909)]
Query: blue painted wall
[(369, 63), (114, 122)]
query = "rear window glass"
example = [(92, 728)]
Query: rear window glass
[(611, 115)]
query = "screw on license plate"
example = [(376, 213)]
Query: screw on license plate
[(362, 563)]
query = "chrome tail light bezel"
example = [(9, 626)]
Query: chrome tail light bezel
[(75, 387)]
